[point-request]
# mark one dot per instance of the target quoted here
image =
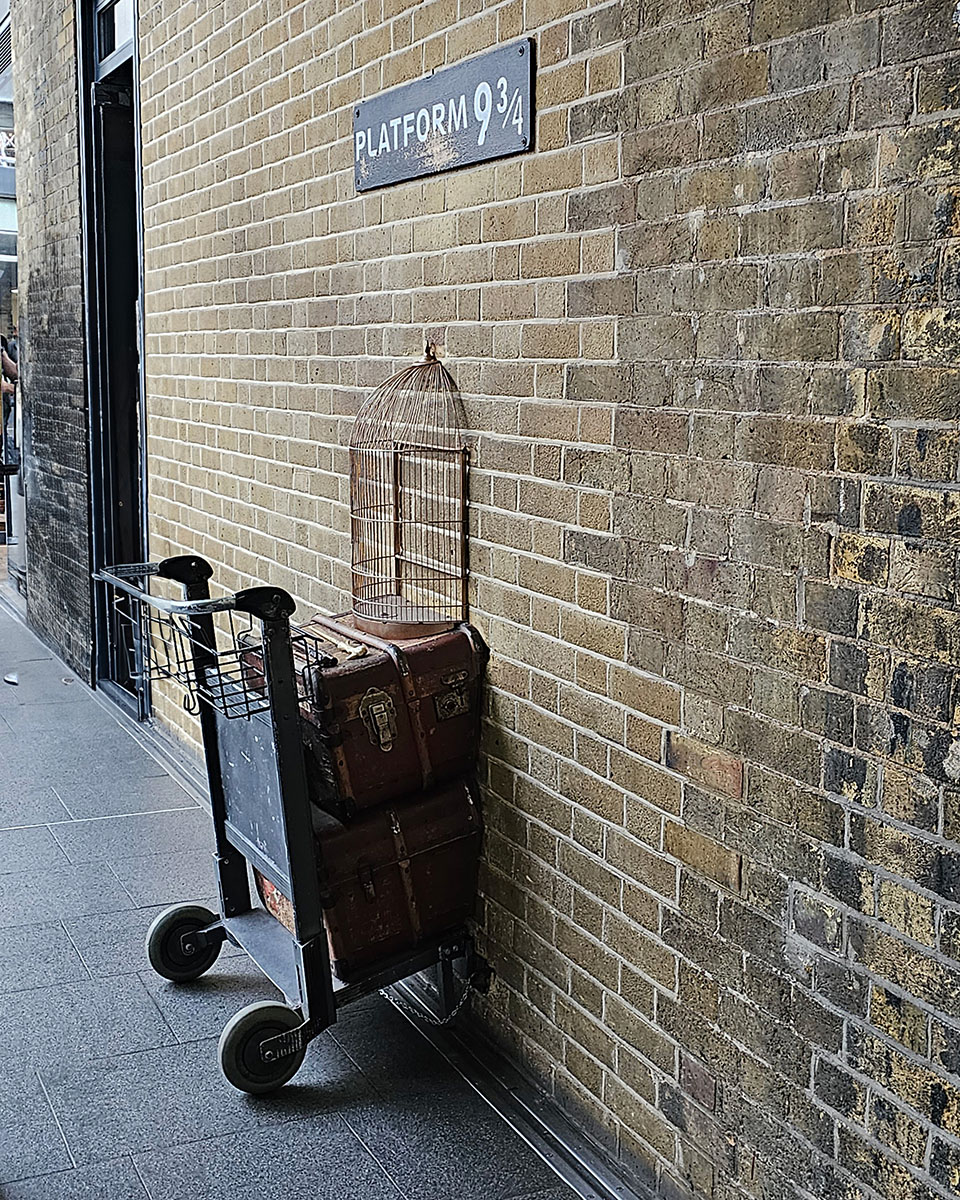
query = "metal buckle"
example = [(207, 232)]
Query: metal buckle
[(379, 714)]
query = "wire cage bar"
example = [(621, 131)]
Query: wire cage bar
[(161, 646), (408, 505)]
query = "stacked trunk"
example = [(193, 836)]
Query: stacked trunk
[(391, 737)]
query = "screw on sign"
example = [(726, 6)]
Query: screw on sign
[(472, 112)]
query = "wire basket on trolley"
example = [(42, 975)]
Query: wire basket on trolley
[(408, 500), (228, 671)]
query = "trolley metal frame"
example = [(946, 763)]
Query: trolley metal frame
[(258, 797)]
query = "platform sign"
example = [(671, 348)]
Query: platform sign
[(474, 111)]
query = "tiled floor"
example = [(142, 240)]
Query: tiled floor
[(110, 1088)]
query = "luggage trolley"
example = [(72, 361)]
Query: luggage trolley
[(262, 818)]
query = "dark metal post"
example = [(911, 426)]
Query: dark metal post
[(194, 574), (319, 1005)]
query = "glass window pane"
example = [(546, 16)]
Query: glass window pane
[(124, 21), (114, 27), (106, 33)]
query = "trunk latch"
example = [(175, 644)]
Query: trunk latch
[(380, 717)]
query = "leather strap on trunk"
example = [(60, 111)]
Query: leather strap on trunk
[(406, 875), (399, 660)]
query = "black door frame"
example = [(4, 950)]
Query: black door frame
[(91, 70)]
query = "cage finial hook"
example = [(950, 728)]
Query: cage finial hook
[(430, 350)]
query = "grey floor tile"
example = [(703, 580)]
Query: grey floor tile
[(41, 712), (163, 1098), (34, 956), (76, 1022), (385, 1046), (30, 664), (451, 1143), (31, 1142), (316, 1158), (30, 849), (46, 721), (18, 643), (29, 771), (20, 647), (118, 795), (201, 1009), (106, 1181), (88, 725), (44, 681), (113, 943), (23, 804), (167, 878), (114, 838), (30, 897), (85, 759)]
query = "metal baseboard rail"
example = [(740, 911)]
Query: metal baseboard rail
[(533, 1117)]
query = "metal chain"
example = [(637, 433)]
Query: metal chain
[(421, 1014)]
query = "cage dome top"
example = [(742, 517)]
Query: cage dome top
[(417, 407)]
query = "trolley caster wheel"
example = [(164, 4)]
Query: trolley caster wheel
[(240, 1043), (164, 948)]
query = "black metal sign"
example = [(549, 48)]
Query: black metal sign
[(469, 113)]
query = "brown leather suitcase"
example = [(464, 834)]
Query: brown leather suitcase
[(394, 879), (385, 719)]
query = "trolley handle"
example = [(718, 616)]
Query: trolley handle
[(267, 603), (185, 608)]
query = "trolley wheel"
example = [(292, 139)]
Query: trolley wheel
[(240, 1043), (164, 949)]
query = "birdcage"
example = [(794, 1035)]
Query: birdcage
[(408, 500)]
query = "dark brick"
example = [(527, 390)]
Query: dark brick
[(841, 986), (849, 664), (592, 382), (945, 1162), (788, 751), (601, 297), (828, 714), (53, 380), (918, 30), (698, 1083), (778, 18), (785, 122), (849, 775), (832, 609), (652, 429), (605, 206), (927, 690), (597, 551), (818, 922), (596, 28)]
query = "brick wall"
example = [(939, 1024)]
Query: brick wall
[(707, 338), (51, 325)]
